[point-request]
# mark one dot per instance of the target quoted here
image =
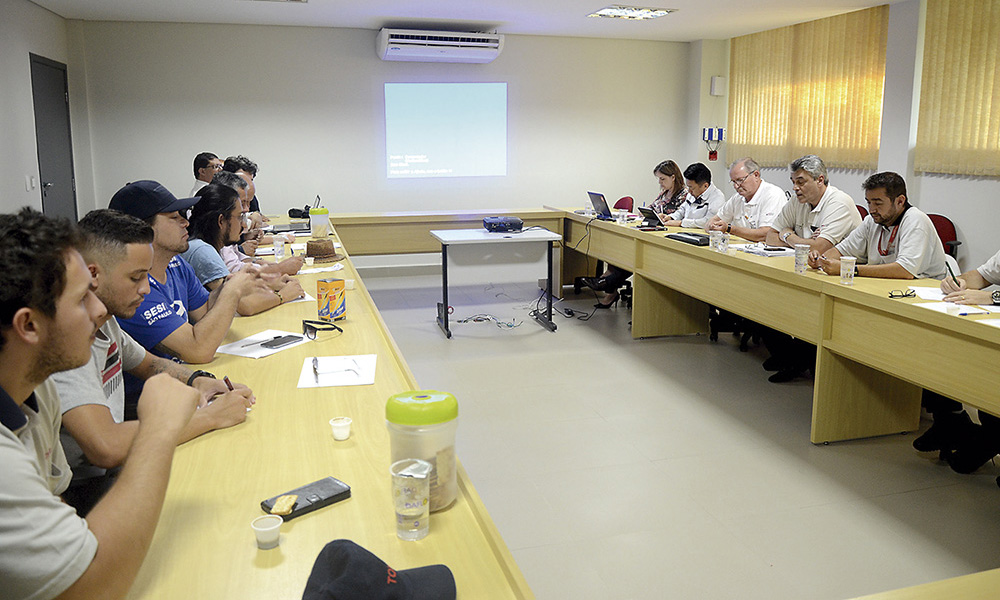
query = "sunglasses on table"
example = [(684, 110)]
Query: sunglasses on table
[(309, 328)]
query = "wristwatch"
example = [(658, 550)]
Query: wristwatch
[(198, 374), (784, 236), (996, 297)]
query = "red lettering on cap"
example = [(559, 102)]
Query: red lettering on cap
[(391, 576)]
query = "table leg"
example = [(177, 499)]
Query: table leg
[(546, 320), (442, 316)]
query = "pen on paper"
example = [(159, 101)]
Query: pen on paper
[(259, 342), (952, 273)]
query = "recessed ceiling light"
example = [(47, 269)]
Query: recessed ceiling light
[(634, 13)]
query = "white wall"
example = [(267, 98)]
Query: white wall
[(306, 104), (24, 28)]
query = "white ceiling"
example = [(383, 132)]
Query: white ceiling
[(695, 20)]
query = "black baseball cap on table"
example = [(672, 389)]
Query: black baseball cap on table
[(143, 199), (346, 571)]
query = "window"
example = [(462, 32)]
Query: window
[(813, 88), (958, 130)]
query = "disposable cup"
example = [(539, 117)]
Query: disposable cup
[(267, 529), (847, 264), (309, 261), (713, 240), (411, 493), (723, 242), (341, 427), (801, 257)]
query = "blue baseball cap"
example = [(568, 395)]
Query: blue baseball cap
[(143, 199)]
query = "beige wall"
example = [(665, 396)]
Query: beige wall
[(306, 104), (24, 28)]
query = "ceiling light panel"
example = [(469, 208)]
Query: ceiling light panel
[(632, 13)]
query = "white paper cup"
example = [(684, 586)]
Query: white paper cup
[(341, 427), (801, 257), (267, 529), (309, 261), (847, 264)]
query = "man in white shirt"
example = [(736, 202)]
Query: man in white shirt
[(751, 210), (823, 215), (48, 320), (821, 218), (963, 444), (703, 199), (895, 240), (206, 165)]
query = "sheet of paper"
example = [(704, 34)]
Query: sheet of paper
[(928, 293), (335, 267), (993, 322), (306, 298), (269, 250), (250, 347), (338, 371), (950, 308)]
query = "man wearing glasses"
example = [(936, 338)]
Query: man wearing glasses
[(751, 210), (206, 165)]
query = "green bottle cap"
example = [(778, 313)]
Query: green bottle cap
[(421, 407)]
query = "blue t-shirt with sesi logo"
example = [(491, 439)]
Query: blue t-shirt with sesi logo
[(166, 306)]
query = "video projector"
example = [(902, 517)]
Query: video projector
[(502, 224)]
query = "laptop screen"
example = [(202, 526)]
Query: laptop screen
[(600, 204)]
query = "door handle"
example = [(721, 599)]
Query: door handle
[(47, 184)]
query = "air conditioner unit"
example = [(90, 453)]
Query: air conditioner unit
[(438, 46)]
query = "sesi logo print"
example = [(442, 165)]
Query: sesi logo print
[(161, 310)]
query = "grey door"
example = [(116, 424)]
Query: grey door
[(50, 94)]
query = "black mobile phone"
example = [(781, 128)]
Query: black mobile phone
[(282, 341), (311, 497)]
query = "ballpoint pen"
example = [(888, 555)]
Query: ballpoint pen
[(952, 273), (259, 342), (229, 384)]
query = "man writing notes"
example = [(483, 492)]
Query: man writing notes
[(895, 241), (963, 444), (823, 215), (48, 319), (96, 438), (702, 202), (751, 210)]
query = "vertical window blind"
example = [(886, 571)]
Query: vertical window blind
[(813, 88), (958, 130)]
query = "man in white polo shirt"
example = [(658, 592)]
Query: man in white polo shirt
[(963, 444), (895, 241), (751, 210), (823, 215)]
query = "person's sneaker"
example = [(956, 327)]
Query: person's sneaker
[(944, 433), (773, 363), (785, 376), (973, 452)]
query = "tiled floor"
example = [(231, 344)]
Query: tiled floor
[(671, 468)]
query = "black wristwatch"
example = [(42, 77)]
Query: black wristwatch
[(198, 374), (996, 297)]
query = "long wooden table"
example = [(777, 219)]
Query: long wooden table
[(203, 546), (874, 353)]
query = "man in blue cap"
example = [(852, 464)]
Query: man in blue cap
[(178, 318)]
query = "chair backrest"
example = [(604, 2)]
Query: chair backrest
[(946, 231), (862, 210), (625, 202)]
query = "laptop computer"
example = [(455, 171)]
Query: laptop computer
[(600, 206)]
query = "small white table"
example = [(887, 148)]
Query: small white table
[(454, 237)]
